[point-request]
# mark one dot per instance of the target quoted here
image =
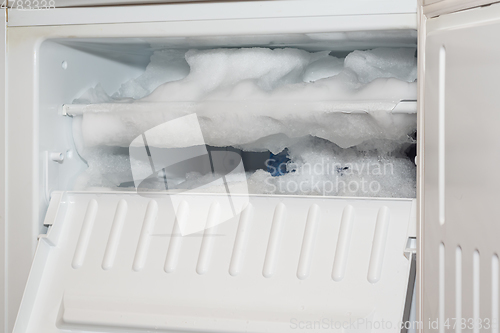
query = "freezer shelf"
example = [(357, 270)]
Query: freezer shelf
[(116, 262), (362, 107)]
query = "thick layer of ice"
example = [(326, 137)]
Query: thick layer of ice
[(373, 64), (316, 167), (211, 70), (165, 66), (325, 66), (249, 127), (264, 100), (243, 96)]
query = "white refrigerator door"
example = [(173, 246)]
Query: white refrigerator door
[(117, 262), (433, 8), (460, 231)]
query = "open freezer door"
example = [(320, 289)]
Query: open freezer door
[(461, 118), (117, 262)]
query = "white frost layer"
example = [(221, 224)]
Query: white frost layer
[(249, 126), (246, 97), (266, 100), (165, 66), (222, 69), (316, 167), (370, 65)]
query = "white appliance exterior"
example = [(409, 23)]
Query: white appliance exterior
[(21, 198), (458, 230), (29, 29)]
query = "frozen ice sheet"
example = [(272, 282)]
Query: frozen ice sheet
[(331, 113), (315, 167), (243, 96)]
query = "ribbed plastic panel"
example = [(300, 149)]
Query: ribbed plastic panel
[(116, 262)]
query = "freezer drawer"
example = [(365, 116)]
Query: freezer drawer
[(117, 262)]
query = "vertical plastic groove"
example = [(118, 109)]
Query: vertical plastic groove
[(378, 245), (307, 250), (207, 242), (274, 241), (441, 133), (145, 236), (240, 242), (343, 243), (442, 286), (494, 293), (475, 290), (115, 235), (458, 289), (85, 233), (174, 247)]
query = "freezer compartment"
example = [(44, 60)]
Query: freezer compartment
[(321, 100), (125, 254), (50, 66)]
